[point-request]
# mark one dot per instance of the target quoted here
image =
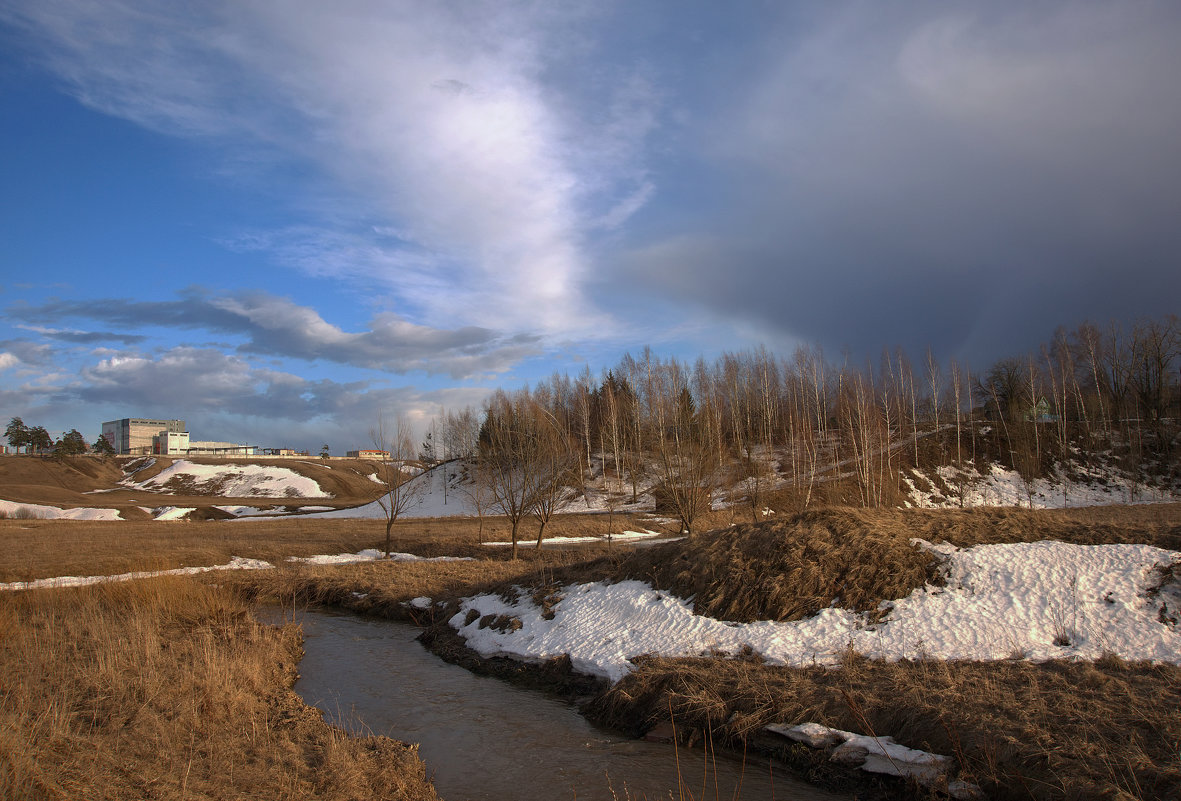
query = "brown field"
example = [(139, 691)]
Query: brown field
[(44, 548)]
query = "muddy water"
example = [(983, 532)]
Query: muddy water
[(482, 738)]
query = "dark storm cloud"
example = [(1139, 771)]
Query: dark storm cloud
[(964, 178), (276, 326)]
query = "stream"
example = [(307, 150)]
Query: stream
[(482, 738)]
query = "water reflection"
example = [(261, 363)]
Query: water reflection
[(482, 738)]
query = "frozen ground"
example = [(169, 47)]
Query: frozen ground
[(1033, 600), (233, 480)]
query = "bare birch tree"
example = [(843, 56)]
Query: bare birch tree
[(399, 491)]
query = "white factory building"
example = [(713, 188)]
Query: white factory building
[(141, 436)]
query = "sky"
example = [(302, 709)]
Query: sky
[(282, 220)]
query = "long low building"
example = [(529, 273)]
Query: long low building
[(142, 436)]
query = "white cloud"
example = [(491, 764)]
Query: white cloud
[(219, 395), (8, 360), (436, 119)]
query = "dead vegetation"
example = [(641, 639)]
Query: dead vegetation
[(1020, 730), (36, 549), (788, 569), (166, 688)]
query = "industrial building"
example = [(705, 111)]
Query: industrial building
[(370, 454), (140, 436)]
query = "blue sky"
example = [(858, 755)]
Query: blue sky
[(277, 220)]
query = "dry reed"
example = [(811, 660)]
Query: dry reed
[(166, 688)]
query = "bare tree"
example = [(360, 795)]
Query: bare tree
[(512, 457), (689, 464), (556, 463), (399, 491), (476, 488)]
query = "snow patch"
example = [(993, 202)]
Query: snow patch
[(235, 563), (171, 512), (233, 480), (372, 555), (11, 508), (1000, 486), (871, 754)]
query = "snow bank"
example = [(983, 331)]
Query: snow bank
[(56, 513), (235, 563), (1032, 600), (234, 480)]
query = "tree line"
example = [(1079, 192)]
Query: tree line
[(750, 420), (36, 440)]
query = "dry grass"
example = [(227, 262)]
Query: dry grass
[(1056, 730), (383, 588), (169, 689), (787, 569), (43, 548)]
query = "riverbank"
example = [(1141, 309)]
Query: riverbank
[(168, 688)]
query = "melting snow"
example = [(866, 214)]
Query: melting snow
[(235, 480), (41, 512), (371, 555), (626, 536), (235, 563), (1035, 600)]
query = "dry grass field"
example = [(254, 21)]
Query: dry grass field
[(167, 688), (34, 549)]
